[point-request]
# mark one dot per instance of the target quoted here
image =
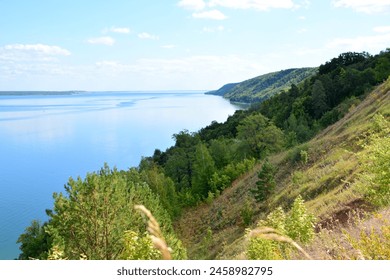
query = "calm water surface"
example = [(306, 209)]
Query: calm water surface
[(45, 139)]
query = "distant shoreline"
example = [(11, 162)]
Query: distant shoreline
[(24, 93), (74, 92)]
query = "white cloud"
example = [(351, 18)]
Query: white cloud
[(192, 4), (261, 5), (188, 72), (108, 41), (39, 48), (145, 35), (372, 44), (364, 6), (122, 30), (212, 14), (31, 62), (382, 29)]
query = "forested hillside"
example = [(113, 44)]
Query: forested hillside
[(264, 86), (223, 90), (214, 183)]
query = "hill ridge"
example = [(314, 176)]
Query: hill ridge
[(264, 86)]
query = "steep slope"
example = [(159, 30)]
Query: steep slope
[(264, 86), (328, 180)]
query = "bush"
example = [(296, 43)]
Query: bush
[(136, 247), (246, 213), (297, 224), (375, 158), (300, 224)]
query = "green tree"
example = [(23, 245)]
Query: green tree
[(91, 219), (266, 182), (164, 187), (318, 95), (35, 242), (261, 135), (203, 170)]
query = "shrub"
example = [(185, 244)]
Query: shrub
[(246, 213), (300, 224), (297, 225), (375, 158), (138, 247)]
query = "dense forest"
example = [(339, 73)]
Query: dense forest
[(265, 86), (95, 217)]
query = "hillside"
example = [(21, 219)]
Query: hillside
[(329, 180), (223, 90), (264, 86)]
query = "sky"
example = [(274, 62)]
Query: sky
[(98, 45)]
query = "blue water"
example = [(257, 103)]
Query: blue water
[(45, 139)]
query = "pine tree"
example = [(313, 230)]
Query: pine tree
[(266, 182)]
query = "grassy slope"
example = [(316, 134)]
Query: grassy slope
[(326, 182), (264, 86)]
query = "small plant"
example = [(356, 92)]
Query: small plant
[(246, 213), (300, 224), (304, 156), (205, 244)]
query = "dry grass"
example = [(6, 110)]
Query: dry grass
[(155, 233), (363, 237)]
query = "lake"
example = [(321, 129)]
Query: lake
[(47, 138)]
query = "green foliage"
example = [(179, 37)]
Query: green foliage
[(318, 95), (91, 219), (260, 135), (136, 247), (297, 224), (219, 181), (276, 220), (299, 154), (211, 196), (375, 159), (247, 213), (206, 244), (304, 156), (35, 242), (266, 182), (164, 187), (263, 87), (373, 244), (300, 224), (203, 169), (222, 151), (262, 249)]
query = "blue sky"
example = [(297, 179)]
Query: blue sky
[(177, 44)]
